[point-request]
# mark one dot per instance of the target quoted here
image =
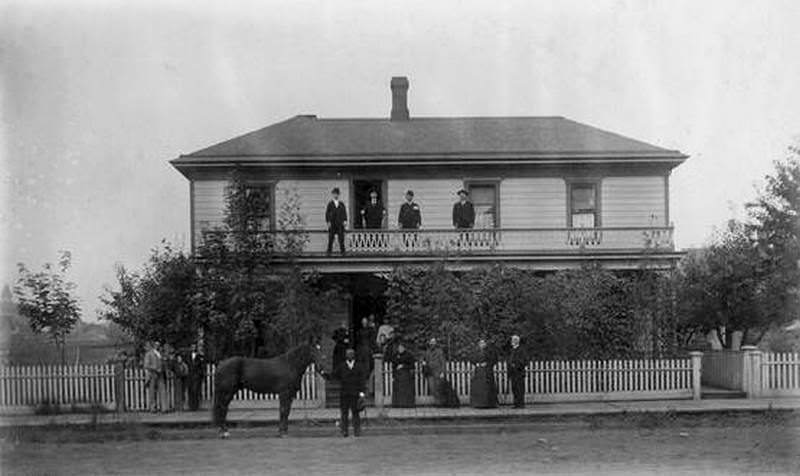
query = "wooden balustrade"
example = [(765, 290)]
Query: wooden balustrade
[(477, 241)]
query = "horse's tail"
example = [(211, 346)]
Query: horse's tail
[(227, 381)]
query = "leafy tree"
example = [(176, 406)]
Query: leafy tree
[(584, 313), (45, 299), (746, 279), (253, 300), (775, 230), (155, 303), (725, 287)]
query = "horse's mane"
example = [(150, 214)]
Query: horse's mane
[(299, 355)]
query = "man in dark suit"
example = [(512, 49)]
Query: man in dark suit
[(336, 218), (352, 376), (410, 217), (517, 361), (463, 211), (197, 372), (373, 214)]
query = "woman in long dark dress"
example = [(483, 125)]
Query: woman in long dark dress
[(403, 378), (483, 390)]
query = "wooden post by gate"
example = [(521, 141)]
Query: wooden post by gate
[(697, 361), (378, 382)]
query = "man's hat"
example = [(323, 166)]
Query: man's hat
[(464, 192), (335, 190), (410, 192), (373, 192)]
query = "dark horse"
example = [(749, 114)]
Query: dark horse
[(281, 374)]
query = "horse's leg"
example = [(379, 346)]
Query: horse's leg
[(222, 400), (285, 408)]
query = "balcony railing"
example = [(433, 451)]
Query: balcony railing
[(483, 241)]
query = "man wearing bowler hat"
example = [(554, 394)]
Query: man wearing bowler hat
[(410, 219), (336, 218), (463, 211)]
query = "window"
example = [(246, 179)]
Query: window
[(484, 200), (259, 200), (583, 205)]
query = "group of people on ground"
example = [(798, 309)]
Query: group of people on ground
[(353, 365), (185, 369), (373, 215)]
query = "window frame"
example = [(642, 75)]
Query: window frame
[(469, 183), (596, 183), (272, 185)]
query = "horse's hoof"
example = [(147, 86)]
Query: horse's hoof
[(224, 435), (282, 435)]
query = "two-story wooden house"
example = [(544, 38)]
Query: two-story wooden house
[(548, 192)]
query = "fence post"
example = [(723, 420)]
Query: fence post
[(320, 382), (378, 382), (751, 378), (119, 385), (697, 363)]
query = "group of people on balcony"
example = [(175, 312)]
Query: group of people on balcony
[(373, 216)]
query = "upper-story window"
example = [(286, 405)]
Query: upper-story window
[(259, 199), (484, 200), (583, 205)]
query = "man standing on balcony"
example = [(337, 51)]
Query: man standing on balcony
[(410, 219), (463, 211), (373, 214), (336, 218)]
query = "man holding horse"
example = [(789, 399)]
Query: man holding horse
[(352, 375)]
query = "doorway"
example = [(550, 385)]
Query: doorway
[(361, 189)]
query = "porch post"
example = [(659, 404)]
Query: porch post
[(697, 362), (378, 382)]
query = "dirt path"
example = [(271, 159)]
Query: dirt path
[(735, 445)]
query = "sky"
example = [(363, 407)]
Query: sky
[(97, 97)]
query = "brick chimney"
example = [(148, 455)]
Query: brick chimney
[(399, 87)]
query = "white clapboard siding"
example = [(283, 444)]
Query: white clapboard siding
[(633, 201), (533, 203), (208, 200), (434, 196), (314, 196)]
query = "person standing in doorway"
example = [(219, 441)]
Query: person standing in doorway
[(154, 366), (373, 214), (517, 361), (336, 219)]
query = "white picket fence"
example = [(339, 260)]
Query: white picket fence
[(56, 385), (26, 387), (780, 375), (556, 381), (23, 388)]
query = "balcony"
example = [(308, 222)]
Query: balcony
[(480, 242)]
